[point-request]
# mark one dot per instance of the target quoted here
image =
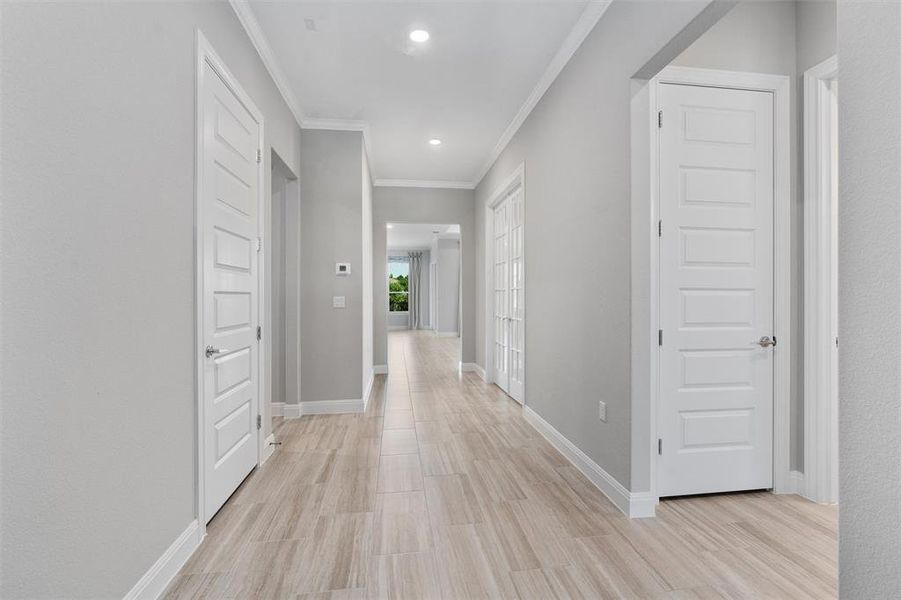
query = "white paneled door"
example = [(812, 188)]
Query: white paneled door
[(230, 265), (509, 295), (715, 415)]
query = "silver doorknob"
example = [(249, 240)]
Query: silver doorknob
[(210, 351), (766, 341)]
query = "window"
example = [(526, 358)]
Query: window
[(398, 284)]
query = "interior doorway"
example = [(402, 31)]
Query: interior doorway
[(280, 333), (821, 342), (423, 266)]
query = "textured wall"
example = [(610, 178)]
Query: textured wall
[(97, 347), (869, 40)]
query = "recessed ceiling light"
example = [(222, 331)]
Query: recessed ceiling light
[(435, 142), (419, 35), (389, 226)]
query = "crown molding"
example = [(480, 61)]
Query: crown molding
[(249, 21), (420, 183), (589, 18)]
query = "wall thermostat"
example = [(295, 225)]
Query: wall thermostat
[(342, 269)]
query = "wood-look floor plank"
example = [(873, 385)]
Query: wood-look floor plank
[(443, 490)]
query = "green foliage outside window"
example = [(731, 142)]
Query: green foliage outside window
[(398, 288)]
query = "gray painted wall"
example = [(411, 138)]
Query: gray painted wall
[(815, 33), (97, 347), (448, 278), (869, 37), (331, 223), (575, 145), (423, 205), (760, 37)]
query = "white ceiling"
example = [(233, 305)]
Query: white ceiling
[(484, 67), (418, 235)]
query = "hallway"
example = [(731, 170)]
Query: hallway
[(442, 490)]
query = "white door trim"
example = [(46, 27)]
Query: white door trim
[(779, 86), (820, 395), (206, 54), (516, 179)]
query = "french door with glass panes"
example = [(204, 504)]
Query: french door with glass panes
[(509, 294)]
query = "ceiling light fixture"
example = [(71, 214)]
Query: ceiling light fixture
[(435, 142), (419, 35), (389, 226)]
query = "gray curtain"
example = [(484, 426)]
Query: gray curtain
[(414, 293)]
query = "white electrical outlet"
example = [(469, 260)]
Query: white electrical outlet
[(338, 302), (602, 411)]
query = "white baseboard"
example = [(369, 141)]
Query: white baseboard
[(326, 407), (398, 328), (292, 411), (278, 409), (160, 575), (633, 505), (473, 368), (268, 448), (380, 369)]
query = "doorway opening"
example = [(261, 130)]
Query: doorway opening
[(280, 333), (424, 272)]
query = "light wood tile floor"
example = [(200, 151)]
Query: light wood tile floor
[(442, 490)]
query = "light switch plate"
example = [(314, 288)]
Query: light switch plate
[(338, 302), (602, 410)]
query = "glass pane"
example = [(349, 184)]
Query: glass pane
[(398, 276), (397, 302)]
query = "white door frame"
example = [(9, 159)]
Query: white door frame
[(516, 179), (206, 54), (779, 86), (820, 393)]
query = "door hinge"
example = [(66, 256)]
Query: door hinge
[(659, 119), (259, 421), (659, 337), (660, 228), (259, 244), (660, 446), (259, 156), (259, 333)]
